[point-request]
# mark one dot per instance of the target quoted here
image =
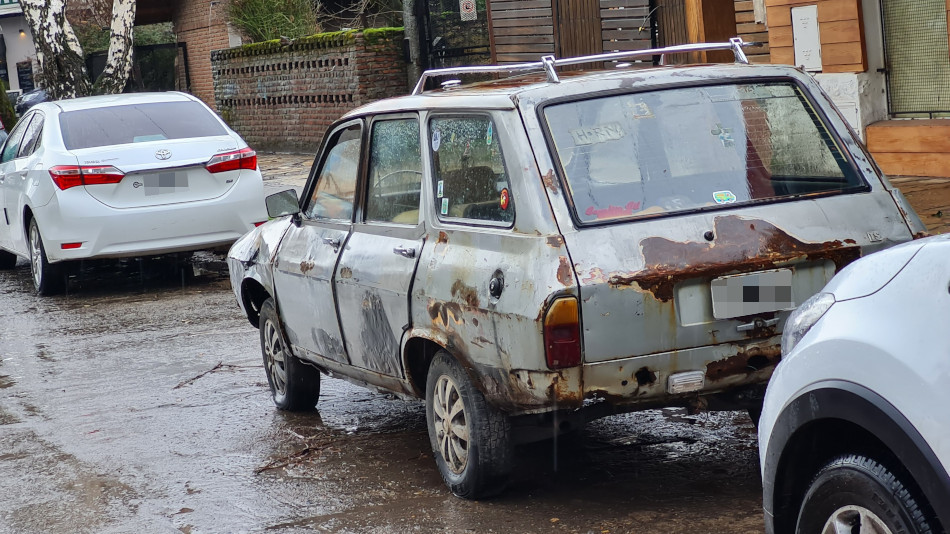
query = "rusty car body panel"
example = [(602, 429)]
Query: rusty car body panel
[(643, 285)]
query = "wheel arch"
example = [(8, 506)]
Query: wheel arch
[(417, 357), (835, 417), (253, 296)]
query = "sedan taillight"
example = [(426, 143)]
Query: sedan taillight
[(66, 176), (246, 158)]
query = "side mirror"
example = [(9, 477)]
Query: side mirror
[(283, 203)]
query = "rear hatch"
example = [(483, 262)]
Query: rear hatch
[(707, 213), (161, 148)]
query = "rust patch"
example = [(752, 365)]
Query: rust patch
[(481, 341), (346, 272), (564, 272), (466, 294), (744, 363), (306, 266), (443, 238), (921, 235), (444, 313), (644, 377), (741, 245), (550, 182), (555, 241)]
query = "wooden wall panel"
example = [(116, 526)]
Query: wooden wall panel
[(625, 25), (522, 30), (841, 26), (753, 32)]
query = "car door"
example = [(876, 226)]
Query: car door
[(308, 254), (12, 177), (376, 269)]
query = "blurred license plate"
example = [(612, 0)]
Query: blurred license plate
[(163, 183), (741, 295)]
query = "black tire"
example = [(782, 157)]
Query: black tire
[(857, 488), (488, 450), (294, 385), (7, 260), (48, 278)]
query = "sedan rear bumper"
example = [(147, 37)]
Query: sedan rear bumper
[(73, 216)]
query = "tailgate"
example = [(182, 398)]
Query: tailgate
[(663, 285)]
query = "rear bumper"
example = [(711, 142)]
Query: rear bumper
[(104, 232)]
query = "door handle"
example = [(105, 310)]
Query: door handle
[(758, 323), (407, 252), (332, 241)]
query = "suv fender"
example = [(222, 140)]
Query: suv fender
[(839, 402)]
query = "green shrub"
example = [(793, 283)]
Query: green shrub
[(264, 20), (7, 115)]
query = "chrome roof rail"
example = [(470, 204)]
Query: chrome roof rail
[(548, 63)]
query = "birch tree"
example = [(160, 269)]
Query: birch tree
[(60, 57)]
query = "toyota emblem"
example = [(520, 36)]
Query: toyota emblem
[(163, 154)]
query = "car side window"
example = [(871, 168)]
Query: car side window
[(395, 172), (12, 146), (31, 136), (335, 190), (469, 172)]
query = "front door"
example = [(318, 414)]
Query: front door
[(12, 176), (376, 270), (303, 274)]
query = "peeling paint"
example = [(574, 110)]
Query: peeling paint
[(550, 182), (466, 294), (443, 238), (306, 266), (564, 272), (346, 272)]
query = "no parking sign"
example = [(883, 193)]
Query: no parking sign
[(467, 9)]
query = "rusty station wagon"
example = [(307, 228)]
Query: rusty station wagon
[(532, 252)]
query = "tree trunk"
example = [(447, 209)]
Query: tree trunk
[(119, 61), (62, 70)]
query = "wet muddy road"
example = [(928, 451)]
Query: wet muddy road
[(137, 403)]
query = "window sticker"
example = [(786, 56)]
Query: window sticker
[(724, 197), (445, 206), (612, 212), (598, 134), (639, 110), (441, 189), (505, 199), (724, 135), (489, 135), (436, 140)]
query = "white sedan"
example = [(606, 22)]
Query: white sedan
[(122, 176), (854, 434)]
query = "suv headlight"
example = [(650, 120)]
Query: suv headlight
[(802, 319)]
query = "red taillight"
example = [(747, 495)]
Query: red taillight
[(259, 223), (246, 158), (562, 334), (66, 176)]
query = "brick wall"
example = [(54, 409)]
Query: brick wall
[(202, 25), (283, 97)]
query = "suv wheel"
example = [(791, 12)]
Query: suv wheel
[(857, 494), (294, 385), (48, 278), (470, 438)]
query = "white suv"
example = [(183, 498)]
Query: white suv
[(853, 436)]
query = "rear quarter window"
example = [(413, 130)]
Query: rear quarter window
[(136, 123), (693, 148)]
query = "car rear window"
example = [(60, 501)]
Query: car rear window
[(136, 123), (659, 152)]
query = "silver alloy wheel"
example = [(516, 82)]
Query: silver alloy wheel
[(36, 254), (274, 351), (451, 424), (845, 519)]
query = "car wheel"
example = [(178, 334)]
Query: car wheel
[(470, 438), (7, 260), (48, 279), (294, 385), (857, 494)]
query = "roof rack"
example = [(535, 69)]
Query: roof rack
[(548, 63)]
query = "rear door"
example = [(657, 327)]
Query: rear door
[(377, 267), (14, 168), (308, 254), (706, 213)]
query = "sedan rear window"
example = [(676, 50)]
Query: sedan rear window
[(653, 153), (136, 123)]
